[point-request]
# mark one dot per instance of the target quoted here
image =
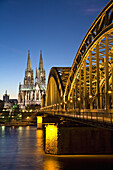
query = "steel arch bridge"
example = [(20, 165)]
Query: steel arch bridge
[(56, 85), (88, 85)]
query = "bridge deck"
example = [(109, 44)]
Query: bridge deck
[(103, 120)]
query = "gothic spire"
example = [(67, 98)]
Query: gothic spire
[(36, 73), (41, 62), (29, 61)]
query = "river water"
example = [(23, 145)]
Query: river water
[(21, 148)]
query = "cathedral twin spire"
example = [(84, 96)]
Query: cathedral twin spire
[(41, 68), (40, 72)]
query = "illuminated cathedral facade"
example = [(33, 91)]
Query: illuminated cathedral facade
[(31, 91)]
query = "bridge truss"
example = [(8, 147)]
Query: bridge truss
[(88, 84)]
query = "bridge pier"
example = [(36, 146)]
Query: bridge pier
[(39, 122), (77, 139)]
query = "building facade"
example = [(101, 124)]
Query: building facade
[(8, 103), (31, 91), (6, 97)]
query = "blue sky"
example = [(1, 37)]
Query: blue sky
[(56, 27)]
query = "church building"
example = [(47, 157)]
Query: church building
[(31, 92)]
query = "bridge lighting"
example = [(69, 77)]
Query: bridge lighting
[(90, 96), (51, 139), (61, 103), (27, 117), (39, 122), (109, 92), (71, 101), (79, 99), (65, 102), (39, 119)]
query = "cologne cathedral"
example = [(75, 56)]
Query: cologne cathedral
[(31, 92)]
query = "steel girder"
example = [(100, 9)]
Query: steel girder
[(56, 84), (100, 26), (89, 83)]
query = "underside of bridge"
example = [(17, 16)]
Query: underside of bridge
[(88, 84)]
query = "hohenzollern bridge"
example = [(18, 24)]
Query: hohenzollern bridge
[(85, 90)]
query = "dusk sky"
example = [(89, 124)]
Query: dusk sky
[(56, 27)]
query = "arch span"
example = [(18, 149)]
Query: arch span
[(56, 85), (88, 84), (90, 77)]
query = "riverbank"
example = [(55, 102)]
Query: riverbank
[(17, 124)]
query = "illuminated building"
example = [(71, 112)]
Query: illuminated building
[(31, 92), (8, 103)]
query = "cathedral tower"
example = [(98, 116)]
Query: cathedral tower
[(28, 80), (40, 78), (30, 93)]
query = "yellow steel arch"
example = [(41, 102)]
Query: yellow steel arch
[(56, 85), (92, 66), (88, 84)]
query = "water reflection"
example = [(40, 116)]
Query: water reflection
[(22, 149), (3, 129), (52, 163), (39, 144)]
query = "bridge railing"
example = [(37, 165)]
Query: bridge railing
[(99, 116), (103, 117)]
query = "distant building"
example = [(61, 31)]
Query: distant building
[(8, 103), (6, 97), (31, 92)]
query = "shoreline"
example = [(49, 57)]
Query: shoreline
[(17, 124)]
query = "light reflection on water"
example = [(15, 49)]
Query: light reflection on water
[(21, 148)]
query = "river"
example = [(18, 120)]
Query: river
[(21, 148)]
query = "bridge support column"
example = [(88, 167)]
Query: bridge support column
[(97, 84), (76, 93), (80, 103), (65, 103), (106, 74), (101, 98), (39, 122), (85, 102), (68, 105), (112, 75), (73, 99), (90, 79)]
